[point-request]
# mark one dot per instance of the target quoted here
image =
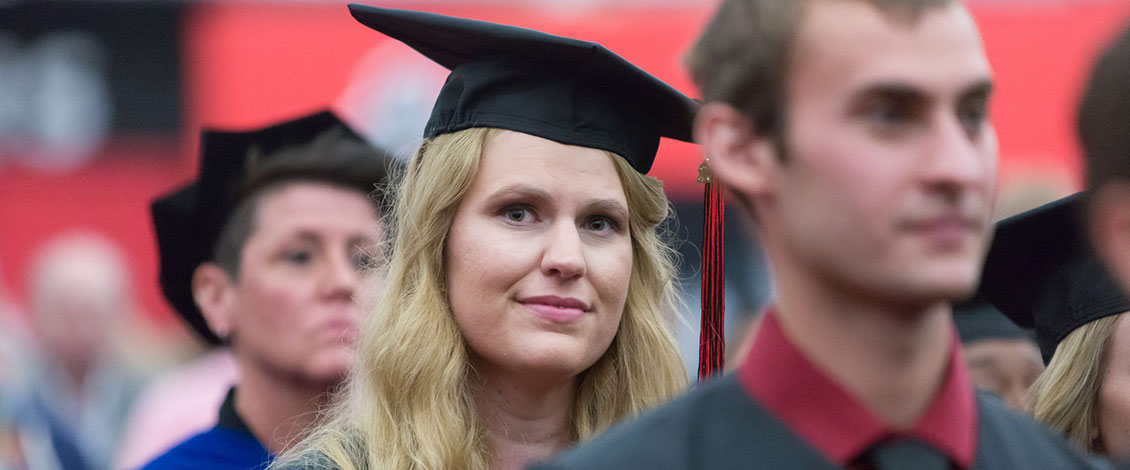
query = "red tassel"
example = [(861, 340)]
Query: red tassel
[(712, 342)]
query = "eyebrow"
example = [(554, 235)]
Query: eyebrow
[(519, 190), (903, 92), (981, 89), (311, 236), (305, 235), (896, 91), (610, 206)]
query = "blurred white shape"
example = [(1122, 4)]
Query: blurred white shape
[(72, 100), (390, 95), (55, 103)]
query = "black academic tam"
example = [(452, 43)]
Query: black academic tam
[(1042, 273), (189, 219), (566, 90)]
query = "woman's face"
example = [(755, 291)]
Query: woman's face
[(539, 257)]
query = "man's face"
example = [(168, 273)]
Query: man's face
[(888, 185), (293, 312), (1109, 222)]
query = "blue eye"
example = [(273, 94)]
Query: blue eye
[(601, 224), (518, 214)]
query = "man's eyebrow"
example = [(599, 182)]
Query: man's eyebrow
[(979, 90), (889, 90), (905, 92)]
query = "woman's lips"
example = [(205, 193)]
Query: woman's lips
[(556, 309)]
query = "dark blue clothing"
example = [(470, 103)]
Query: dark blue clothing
[(227, 446)]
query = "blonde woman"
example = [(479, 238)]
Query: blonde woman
[(1041, 272), (522, 305)]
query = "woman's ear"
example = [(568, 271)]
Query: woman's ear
[(1109, 224), (741, 158), (214, 293)]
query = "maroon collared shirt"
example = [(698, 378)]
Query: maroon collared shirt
[(827, 417)]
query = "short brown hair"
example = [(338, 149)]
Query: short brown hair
[(743, 55), (1104, 116), (335, 157)]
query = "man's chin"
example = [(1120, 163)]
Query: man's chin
[(928, 292), (949, 292)]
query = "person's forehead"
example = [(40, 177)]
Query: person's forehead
[(853, 40), (318, 206), (511, 158)]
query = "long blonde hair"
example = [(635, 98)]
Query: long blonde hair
[(409, 404), (1066, 396)]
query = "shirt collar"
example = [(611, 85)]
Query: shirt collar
[(230, 418), (780, 378)]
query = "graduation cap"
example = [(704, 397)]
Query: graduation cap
[(566, 90), (189, 219), (1042, 273)]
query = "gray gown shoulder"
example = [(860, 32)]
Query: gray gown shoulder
[(1007, 439), (716, 426)]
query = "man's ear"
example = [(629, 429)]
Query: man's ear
[(740, 157), (214, 293), (1109, 224)]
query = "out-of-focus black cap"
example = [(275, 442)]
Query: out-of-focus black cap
[(977, 320), (565, 90), (1042, 273), (189, 219)]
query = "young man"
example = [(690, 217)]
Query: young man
[(855, 134), (1104, 121), (267, 251)]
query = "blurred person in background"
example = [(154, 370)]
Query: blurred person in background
[(856, 135), (1042, 273), (12, 359), (1103, 125), (177, 404), (79, 389), (1002, 358), (528, 286), (266, 251)]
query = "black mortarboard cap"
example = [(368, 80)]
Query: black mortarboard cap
[(978, 320), (188, 220), (566, 90), (1042, 273)]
